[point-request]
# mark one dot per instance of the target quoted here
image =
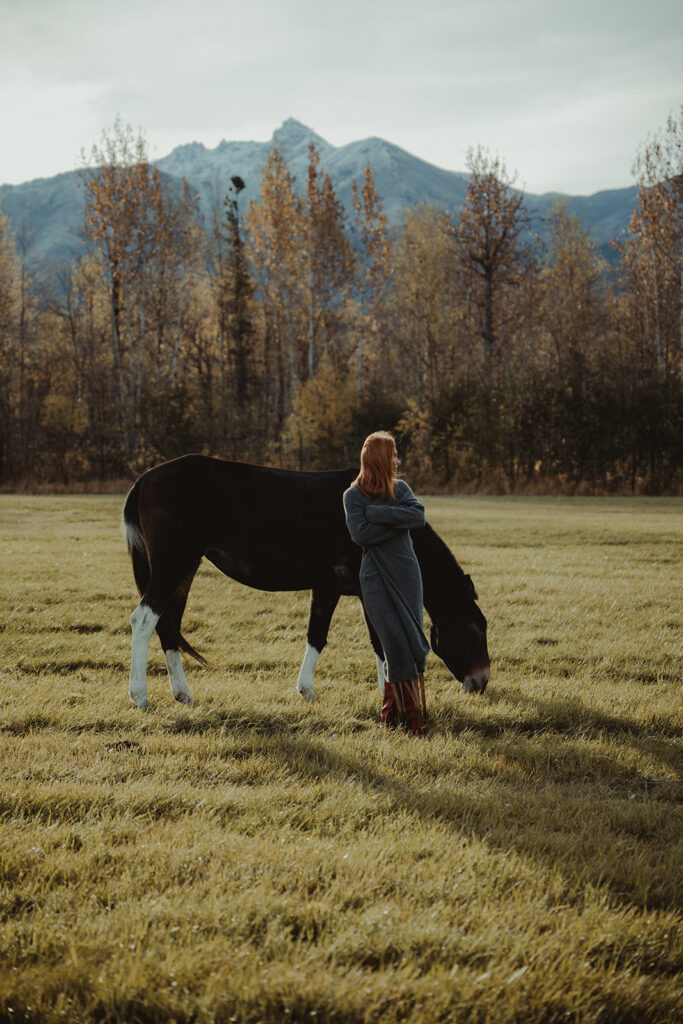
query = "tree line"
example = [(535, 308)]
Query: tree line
[(285, 331)]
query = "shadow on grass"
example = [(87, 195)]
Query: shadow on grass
[(71, 665), (570, 719), (558, 827), (561, 818), (557, 811)]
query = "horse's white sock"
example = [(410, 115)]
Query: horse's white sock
[(304, 683), (143, 620), (176, 676)]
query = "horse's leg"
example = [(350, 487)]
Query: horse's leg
[(323, 602), (379, 652), (143, 620), (168, 572), (168, 628)]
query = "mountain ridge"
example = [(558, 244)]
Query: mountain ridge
[(52, 208)]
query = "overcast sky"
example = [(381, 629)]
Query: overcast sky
[(564, 91)]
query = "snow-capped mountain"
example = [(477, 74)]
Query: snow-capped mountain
[(401, 179), (52, 208)]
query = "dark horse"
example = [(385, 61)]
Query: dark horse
[(273, 529)]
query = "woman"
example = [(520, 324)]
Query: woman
[(380, 511)]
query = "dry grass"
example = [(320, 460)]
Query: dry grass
[(256, 859)]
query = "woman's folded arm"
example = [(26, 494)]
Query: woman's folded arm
[(407, 514), (362, 531)]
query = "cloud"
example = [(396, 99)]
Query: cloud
[(434, 77)]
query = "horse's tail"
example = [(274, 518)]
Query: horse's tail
[(189, 649), (137, 550)]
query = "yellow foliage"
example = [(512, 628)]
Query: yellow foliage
[(62, 415), (416, 428), (9, 299), (322, 410)]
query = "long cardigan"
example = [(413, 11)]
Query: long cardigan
[(390, 579)]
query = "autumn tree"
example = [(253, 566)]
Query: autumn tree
[(652, 307), (9, 308), (654, 255), (372, 270), (172, 255), (572, 316), (491, 245), (293, 332), (147, 235), (318, 429), (78, 413), (27, 391), (276, 248), (426, 302), (573, 293), (8, 280), (114, 222), (494, 254), (330, 262)]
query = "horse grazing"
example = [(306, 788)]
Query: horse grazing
[(273, 529)]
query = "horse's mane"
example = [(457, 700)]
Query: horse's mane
[(441, 573)]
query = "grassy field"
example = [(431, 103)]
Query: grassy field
[(254, 858)]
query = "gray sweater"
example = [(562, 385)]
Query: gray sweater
[(390, 579)]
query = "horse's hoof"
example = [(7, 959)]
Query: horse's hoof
[(308, 695), (184, 698), (142, 704)]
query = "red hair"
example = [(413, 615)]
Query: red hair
[(376, 478)]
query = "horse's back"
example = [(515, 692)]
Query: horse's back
[(267, 515), (221, 476)]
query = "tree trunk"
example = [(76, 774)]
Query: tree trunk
[(311, 319), (488, 312)]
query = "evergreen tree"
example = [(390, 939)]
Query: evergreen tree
[(236, 301)]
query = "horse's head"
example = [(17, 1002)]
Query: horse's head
[(458, 637)]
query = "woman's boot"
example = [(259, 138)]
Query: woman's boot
[(413, 715), (423, 699), (389, 715), (403, 705)]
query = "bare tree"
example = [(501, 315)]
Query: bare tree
[(491, 239), (654, 255), (147, 236)]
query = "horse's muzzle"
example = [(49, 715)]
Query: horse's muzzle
[(476, 681)]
